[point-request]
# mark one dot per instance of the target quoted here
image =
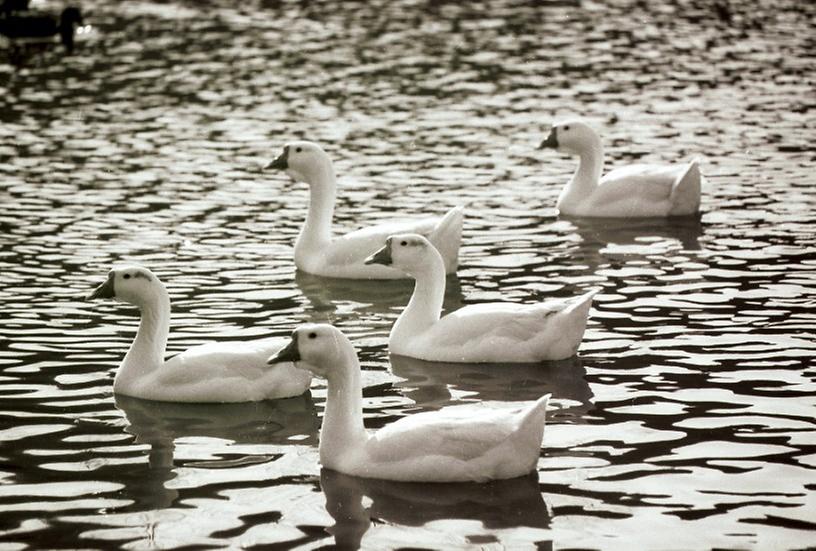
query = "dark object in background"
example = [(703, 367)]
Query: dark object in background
[(8, 6), (25, 27)]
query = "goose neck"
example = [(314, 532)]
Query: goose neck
[(317, 228), (425, 306), (342, 429), (146, 354), (590, 166)]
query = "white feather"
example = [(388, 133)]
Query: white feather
[(472, 442), (634, 191), (214, 372)]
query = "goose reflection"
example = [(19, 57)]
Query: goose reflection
[(329, 297), (497, 505), (160, 424), (436, 384), (597, 233)]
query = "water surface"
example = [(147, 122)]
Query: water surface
[(685, 422)]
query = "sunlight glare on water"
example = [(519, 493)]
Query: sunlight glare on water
[(686, 422)]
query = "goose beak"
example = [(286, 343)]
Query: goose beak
[(281, 163), (383, 256), (105, 290), (288, 353), (551, 141)]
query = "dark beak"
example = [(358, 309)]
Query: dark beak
[(383, 256), (105, 290), (288, 353), (551, 141), (281, 163)]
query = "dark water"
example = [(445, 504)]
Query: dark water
[(687, 422)]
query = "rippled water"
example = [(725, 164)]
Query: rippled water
[(686, 422)]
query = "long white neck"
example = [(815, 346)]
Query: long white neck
[(587, 176), (342, 430), (425, 306), (316, 232), (146, 354)]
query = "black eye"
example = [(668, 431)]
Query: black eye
[(299, 149), (312, 335), (403, 243), (566, 127), (126, 276)]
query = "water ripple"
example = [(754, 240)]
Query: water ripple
[(689, 411)]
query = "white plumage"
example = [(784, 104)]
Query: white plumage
[(212, 372), (476, 442), (491, 332), (319, 252), (634, 191)]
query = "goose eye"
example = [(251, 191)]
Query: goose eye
[(298, 149), (312, 335), (403, 243), (126, 276), (566, 128)]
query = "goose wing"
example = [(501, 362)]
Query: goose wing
[(462, 432), (648, 182), (355, 246), (495, 322), (221, 360)]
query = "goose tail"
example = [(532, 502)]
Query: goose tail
[(685, 193), (573, 326), (582, 303), (533, 421), (447, 238)]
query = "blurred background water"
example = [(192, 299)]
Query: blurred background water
[(686, 422)]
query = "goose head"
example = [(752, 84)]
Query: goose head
[(409, 252), (132, 284), (573, 136), (316, 347), (304, 161), (71, 16)]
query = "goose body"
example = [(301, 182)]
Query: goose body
[(476, 442), (318, 251), (18, 25), (212, 372), (634, 191), (478, 333)]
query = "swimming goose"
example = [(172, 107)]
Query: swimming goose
[(40, 26), (213, 372), (474, 442), (634, 191), (318, 252), (478, 333)]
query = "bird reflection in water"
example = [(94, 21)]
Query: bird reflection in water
[(159, 424), (329, 297), (637, 235), (685, 229), (497, 505), (433, 385)]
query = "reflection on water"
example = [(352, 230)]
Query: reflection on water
[(160, 424), (604, 231), (437, 384), (689, 411), (291, 420), (355, 503), (329, 298)]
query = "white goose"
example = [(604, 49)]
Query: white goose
[(634, 191), (318, 252), (492, 332), (213, 372), (476, 442)]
